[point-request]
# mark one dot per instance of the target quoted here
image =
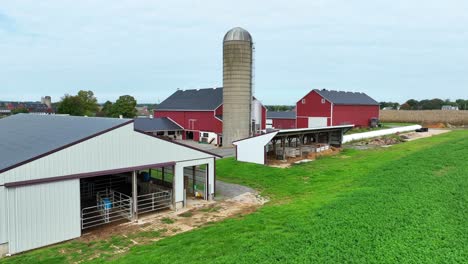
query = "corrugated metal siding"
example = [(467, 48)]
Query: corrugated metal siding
[(119, 148), (3, 216), (43, 214)]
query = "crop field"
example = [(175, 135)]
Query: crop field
[(403, 204), (458, 118)]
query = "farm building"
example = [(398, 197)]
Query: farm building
[(287, 144), (162, 126), (60, 175), (332, 108), (281, 119), (200, 114)]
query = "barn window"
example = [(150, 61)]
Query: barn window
[(171, 133), (323, 100), (205, 134), (303, 101), (160, 133)]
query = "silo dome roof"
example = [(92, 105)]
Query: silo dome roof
[(238, 33)]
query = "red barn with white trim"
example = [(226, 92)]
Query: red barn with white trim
[(200, 113), (333, 108)]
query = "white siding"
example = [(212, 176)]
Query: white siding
[(317, 122), (43, 214), (119, 148), (179, 176), (257, 113), (3, 216), (211, 136), (253, 149)]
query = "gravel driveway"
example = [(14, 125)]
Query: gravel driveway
[(226, 190)]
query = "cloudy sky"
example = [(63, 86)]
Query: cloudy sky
[(393, 50)]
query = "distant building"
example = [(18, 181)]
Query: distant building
[(142, 111), (43, 107), (281, 119), (449, 107)]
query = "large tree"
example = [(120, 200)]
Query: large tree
[(124, 106), (106, 108), (89, 102), (72, 105)]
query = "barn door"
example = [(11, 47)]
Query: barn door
[(317, 122)]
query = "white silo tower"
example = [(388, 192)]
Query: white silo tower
[(237, 85)]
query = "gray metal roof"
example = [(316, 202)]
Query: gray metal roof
[(27, 136), (281, 115), (155, 124), (196, 99), (238, 33), (346, 98)]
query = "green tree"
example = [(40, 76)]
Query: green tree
[(19, 110), (90, 104), (413, 104), (72, 105), (405, 106), (462, 104), (124, 106), (106, 108)]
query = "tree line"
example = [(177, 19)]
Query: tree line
[(85, 104), (426, 104)]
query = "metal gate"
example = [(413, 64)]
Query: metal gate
[(154, 201), (110, 206)]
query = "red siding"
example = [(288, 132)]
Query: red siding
[(219, 110), (202, 120), (264, 111), (359, 115), (284, 123), (312, 107), (302, 122)]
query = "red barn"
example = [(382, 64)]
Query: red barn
[(332, 108), (200, 113), (281, 119)]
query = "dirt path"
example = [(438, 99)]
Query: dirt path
[(417, 135)]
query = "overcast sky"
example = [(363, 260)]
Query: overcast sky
[(393, 50)]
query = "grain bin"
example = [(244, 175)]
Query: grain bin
[(237, 85)]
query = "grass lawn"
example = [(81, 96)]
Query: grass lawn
[(403, 204)]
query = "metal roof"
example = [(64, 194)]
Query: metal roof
[(25, 137), (195, 99), (346, 98), (238, 33), (281, 115), (282, 132), (155, 124)]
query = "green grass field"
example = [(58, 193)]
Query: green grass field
[(403, 204)]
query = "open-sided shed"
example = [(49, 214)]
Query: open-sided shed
[(52, 166), (288, 142)]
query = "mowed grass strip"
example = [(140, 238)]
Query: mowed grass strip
[(404, 204)]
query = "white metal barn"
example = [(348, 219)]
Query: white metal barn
[(61, 174)]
